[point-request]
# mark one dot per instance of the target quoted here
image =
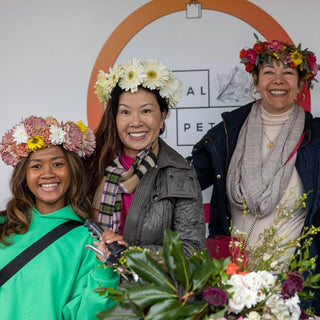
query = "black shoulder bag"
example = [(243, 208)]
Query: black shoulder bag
[(25, 256)]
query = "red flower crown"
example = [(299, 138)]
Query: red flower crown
[(288, 54)]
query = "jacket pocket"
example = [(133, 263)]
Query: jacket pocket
[(181, 184)]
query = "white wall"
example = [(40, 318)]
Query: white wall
[(49, 48)]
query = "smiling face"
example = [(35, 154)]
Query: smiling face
[(48, 178), (138, 120), (278, 87)]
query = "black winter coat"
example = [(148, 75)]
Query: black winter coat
[(211, 158)]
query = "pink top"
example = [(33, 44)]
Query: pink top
[(126, 198)]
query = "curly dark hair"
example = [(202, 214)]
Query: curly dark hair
[(17, 211)]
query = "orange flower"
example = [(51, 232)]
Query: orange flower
[(243, 273), (243, 53), (232, 268), (258, 47)]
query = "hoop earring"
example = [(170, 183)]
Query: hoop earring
[(254, 95), (303, 97)]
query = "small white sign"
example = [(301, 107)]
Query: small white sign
[(194, 10)]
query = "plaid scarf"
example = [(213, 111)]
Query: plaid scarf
[(117, 181)]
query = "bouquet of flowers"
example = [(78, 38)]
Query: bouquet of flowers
[(254, 285)]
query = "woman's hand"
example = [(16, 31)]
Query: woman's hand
[(107, 237)]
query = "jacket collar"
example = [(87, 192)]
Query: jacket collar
[(168, 157)]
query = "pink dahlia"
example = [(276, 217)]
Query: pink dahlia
[(21, 149), (34, 125), (89, 144), (8, 137), (74, 137), (46, 135), (52, 121), (9, 156)]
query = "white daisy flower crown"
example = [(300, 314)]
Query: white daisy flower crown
[(150, 74)]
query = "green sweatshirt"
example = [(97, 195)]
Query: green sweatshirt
[(58, 282)]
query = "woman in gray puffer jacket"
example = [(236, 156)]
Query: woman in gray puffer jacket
[(139, 185)]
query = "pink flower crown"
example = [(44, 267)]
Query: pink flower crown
[(288, 54), (35, 133)]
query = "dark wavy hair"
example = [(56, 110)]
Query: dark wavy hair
[(17, 211), (107, 138)]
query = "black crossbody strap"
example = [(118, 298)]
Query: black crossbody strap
[(25, 256)]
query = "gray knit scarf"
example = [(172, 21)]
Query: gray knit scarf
[(262, 184)]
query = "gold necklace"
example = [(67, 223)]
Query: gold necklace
[(271, 142)]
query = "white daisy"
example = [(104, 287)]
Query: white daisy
[(104, 86), (20, 134), (157, 74), (133, 75), (57, 135), (114, 75), (172, 90)]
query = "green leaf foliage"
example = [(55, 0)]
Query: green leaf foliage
[(175, 259), (173, 310), (147, 268), (123, 311), (148, 295)]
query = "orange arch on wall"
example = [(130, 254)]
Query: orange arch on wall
[(155, 9)]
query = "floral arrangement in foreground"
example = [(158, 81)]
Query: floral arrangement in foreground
[(288, 54), (150, 74), (171, 286), (35, 133)]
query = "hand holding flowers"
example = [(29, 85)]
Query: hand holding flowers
[(171, 286)]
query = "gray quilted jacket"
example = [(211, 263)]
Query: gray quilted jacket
[(168, 197)]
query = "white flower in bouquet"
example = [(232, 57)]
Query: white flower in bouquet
[(268, 280), (253, 315), (230, 288)]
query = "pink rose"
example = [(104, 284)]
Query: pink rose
[(275, 45), (312, 61), (251, 56)]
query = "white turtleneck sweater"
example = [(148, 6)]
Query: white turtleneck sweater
[(292, 227)]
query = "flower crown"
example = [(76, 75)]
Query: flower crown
[(288, 54), (150, 74), (35, 133)]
